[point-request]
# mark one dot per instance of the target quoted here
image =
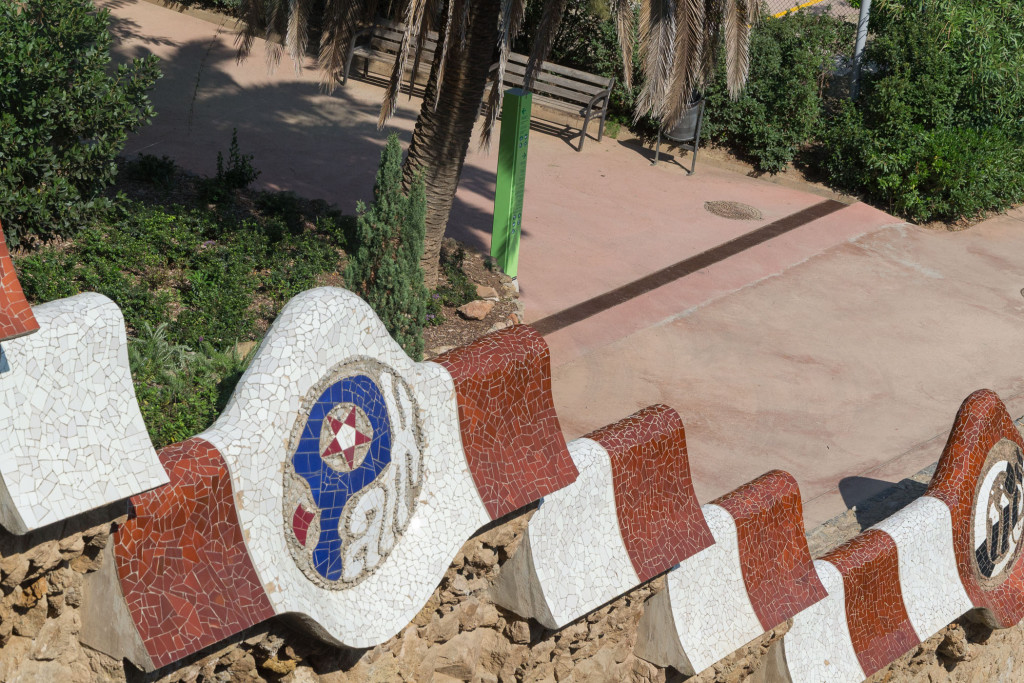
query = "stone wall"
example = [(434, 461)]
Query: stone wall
[(460, 635)]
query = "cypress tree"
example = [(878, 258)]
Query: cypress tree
[(384, 267)]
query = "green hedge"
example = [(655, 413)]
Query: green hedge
[(780, 111), (938, 130)]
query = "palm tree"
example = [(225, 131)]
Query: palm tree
[(677, 43)]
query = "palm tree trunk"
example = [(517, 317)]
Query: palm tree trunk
[(443, 132)]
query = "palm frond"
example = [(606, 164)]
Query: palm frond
[(412, 18), (509, 25), (737, 45), (296, 38), (444, 41), (687, 60), (713, 17), (625, 23), (544, 38), (657, 46), (340, 22)]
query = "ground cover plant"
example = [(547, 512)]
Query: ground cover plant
[(938, 130), (64, 115)]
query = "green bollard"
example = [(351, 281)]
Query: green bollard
[(508, 194)]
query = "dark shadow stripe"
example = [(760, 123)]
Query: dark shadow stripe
[(631, 290)]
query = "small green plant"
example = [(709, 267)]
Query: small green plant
[(384, 267), (64, 114), (459, 289), (235, 174), (151, 169), (180, 391)]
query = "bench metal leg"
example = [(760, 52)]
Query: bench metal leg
[(583, 135), (348, 66), (604, 115)]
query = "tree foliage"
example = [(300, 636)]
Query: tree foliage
[(384, 263), (938, 129), (65, 113)]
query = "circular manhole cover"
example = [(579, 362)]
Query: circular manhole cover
[(737, 211)]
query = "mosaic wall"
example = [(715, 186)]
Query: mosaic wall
[(342, 478), (72, 436)]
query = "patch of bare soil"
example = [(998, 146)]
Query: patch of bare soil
[(457, 330)]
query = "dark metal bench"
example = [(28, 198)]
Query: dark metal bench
[(566, 90), (381, 43)]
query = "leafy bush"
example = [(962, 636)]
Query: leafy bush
[(938, 129), (151, 169), (383, 267), (65, 113), (791, 61)]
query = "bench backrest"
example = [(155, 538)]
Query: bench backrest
[(559, 82), (386, 36)]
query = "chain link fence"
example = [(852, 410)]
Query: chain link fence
[(841, 9)]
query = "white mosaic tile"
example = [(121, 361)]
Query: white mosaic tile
[(579, 561), (71, 434), (818, 645), (710, 606), (413, 499), (932, 591)]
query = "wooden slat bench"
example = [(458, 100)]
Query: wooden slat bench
[(565, 90), (381, 42)]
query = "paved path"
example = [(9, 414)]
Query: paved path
[(838, 349)]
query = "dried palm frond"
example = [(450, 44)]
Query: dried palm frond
[(444, 40), (429, 13), (412, 17), (713, 13), (657, 46), (296, 37), (737, 22), (509, 25), (625, 20), (544, 38), (687, 60)]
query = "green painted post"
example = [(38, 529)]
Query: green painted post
[(508, 194)]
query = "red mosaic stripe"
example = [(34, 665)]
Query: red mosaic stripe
[(980, 424), (875, 614), (659, 516), (185, 573), (774, 557), (16, 319), (510, 433)]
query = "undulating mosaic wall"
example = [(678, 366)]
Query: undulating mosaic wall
[(342, 479)]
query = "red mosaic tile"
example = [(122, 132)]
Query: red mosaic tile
[(980, 424), (659, 516), (16, 319), (185, 573), (776, 562), (510, 433), (880, 629)]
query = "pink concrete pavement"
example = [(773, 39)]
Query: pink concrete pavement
[(812, 351)]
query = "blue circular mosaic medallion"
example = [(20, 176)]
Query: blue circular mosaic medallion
[(353, 472)]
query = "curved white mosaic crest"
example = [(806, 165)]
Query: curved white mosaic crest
[(577, 560), (372, 585), (71, 434)]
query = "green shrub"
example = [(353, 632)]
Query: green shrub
[(383, 267), (152, 170), (791, 60), (180, 391), (64, 115), (938, 130)]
